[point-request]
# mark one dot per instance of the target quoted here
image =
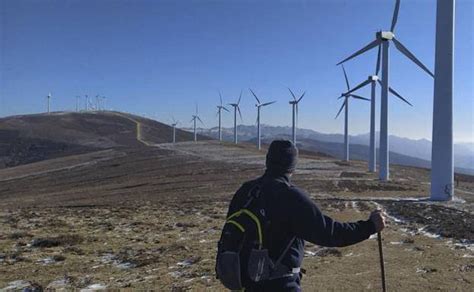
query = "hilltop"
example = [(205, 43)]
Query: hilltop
[(31, 138)]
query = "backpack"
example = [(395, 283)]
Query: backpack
[(241, 255)]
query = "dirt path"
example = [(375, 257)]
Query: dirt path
[(139, 126)]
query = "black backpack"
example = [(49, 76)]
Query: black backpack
[(241, 255)]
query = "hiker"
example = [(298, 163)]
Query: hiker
[(288, 217)]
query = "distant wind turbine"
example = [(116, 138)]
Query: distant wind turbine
[(236, 108), (294, 104), (259, 105), (174, 124), (87, 102), (345, 105), (49, 102), (219, 113), (383, 38), (195, 119), (77, 102), (104, 104)]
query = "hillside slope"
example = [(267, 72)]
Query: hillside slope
[(29, 138)]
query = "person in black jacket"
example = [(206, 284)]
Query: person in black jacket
[(293, 215)]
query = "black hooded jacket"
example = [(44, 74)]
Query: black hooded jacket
[(293, 214)]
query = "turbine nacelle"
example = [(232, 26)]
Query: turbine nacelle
[(374, 78), (385, 35)]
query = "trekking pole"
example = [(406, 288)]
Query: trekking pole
[(382, 268)]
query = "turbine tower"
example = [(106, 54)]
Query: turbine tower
[(77, 102), (174, 124), (219, 113), (345, 105), (195, 119), (259, 105), (373, 80), (49, 102), (236, 108), (384, 38), (294, 105), (87, 102), (442, 168), (104, 104)]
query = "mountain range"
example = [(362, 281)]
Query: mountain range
[(403, 151)]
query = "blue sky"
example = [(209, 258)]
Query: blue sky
[(161, 57)]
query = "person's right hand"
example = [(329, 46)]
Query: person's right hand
[(378, 218)]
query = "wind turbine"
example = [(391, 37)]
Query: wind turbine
[(49, 102), (345, 105), (442, 168), (236, 108), (104, 105), (259, 105), (383, 38), (219, 113), (294, 104), (373, 80), (97, 102), (87, 102), (195, 119), (174, 124), (77, 102)]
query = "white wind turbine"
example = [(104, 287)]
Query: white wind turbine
[(345, 105), (236, 108), (259, 105), (87, 102), (373, 80), (195, 119), (383, 38), (174, 124), (49, 102), (219, 113), (77, 102), (104, 104), (294, 105)]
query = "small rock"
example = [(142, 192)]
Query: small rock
[(24, 286), (94, 287)]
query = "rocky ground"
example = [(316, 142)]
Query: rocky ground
[(150, 217)]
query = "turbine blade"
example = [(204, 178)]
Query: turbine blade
[(342, 107), (345, 76), (377, 67), (392, 91), (410, 56), (240, 114), (225, 109), (395, 15), (258, 100), (370, 46), (301, 97), (240, 97), (357, 87), (199, 119), (268, 103), (220, 97), (292, 94), (359, 97)]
